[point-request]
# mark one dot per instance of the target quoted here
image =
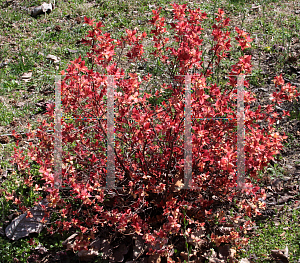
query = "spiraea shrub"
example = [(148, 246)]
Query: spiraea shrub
[(149, 136)]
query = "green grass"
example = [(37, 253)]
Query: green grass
[(295, 112), (272, 235), (10, 251)]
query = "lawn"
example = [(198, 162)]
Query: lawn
[(27, 85)]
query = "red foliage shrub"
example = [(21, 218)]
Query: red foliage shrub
[(149, 149)]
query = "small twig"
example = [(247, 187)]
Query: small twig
[(294, 83), (17, 133)]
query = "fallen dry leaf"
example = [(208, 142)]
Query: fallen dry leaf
[(3, 64), (44, 8), (103, 246), (154, 259), (57, 28), (78, 19), (68, 244), (22, 226), (53, 58), (4, 139), (20, 104), (195, 238), (224, 251), (255, 7), (26, 76), (87, 255), (281, 255), (282, 234), (119, 252), (285, 199), (138, 246)]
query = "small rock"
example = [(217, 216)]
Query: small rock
[(297, 12)]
